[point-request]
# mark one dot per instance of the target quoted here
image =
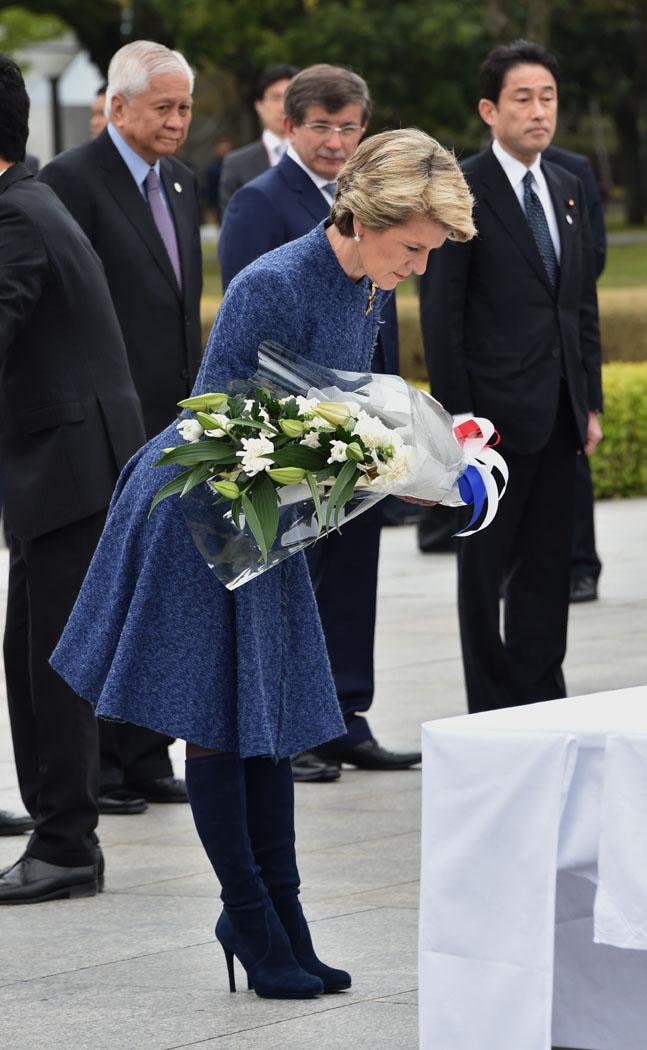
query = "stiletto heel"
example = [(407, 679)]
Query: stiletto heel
[(229, 959), (248, 927), (265, 953)]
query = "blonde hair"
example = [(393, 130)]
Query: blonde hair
[(134, 65), (401, 175)]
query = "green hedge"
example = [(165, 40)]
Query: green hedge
[(619, 463), (623, 314)]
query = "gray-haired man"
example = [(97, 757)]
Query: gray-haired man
[(138, 206)]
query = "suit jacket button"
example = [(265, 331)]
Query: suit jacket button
[(555, 352), (184, 373), (187, 320)]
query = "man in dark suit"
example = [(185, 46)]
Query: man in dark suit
[(510, 325), (326, 113), (242, 165), (585, 562), (437, 526), (138, 206), (70, 420)]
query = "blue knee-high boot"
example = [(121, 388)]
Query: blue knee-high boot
[(249, 927), (270, 819)]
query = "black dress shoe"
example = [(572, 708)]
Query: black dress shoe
[(31, 881), (120, 801), (370, 755), (307, 767), (12, 825), (584, 589), (162, 789)]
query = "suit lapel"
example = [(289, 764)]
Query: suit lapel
[(503, 201), (298, 180), (568, 231), (123, 189), (14, 174), (177, 187)]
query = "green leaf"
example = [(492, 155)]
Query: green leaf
[(345, 495), (195, 476), (314, 491), (299, 456), (235, 512), (245, 421), (212, 450), (260, 504), (345, 474), (171, 487), (290, 410)]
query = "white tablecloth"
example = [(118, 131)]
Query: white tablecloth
[(533, 911)]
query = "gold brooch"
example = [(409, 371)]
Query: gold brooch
[(371, 299)]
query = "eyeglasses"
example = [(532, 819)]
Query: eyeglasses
[(348, 131)]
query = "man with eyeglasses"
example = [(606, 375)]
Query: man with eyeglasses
[(327, 109), (242, 165)]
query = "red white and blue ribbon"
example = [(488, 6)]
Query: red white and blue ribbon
[(476, 485)]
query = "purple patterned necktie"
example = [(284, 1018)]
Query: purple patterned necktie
[(163, 221)]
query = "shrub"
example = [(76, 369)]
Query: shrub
[(619, 463)]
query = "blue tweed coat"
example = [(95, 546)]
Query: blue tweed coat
[(154, 637)]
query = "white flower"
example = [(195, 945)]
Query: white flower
[(396, 470), (262, 412), (253, 458), (337, 452), (306, 405), (220, 430), (311, 440), (372, 431), (190, 430)]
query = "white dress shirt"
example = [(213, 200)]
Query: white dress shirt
[(516, 171), (319, 180), (274, 146)]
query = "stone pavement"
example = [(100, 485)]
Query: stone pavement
[(137, 968)]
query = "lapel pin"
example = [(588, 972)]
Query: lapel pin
[(177, 187), (569, 220)]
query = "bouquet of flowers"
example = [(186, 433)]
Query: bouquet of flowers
[(279, 460)]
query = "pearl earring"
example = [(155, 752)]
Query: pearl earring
[(356, 237)]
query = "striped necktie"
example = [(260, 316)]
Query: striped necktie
[(330, 188), (538, 223)]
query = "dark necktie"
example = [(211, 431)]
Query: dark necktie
[(538, 223), (163, 221)]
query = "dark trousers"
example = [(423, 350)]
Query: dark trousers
[(585, 557), (131, 753), (54, 731), (527, 552), (343, 567)]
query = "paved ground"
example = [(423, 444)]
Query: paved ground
[(138, 969)]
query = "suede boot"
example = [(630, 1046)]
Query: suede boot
[(249, 927), (270, 819)]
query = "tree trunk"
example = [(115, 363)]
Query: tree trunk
[(631, 176)]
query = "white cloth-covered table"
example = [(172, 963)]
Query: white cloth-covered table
[(533, 909)]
